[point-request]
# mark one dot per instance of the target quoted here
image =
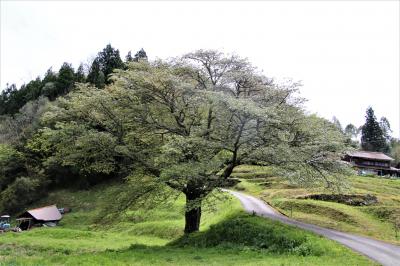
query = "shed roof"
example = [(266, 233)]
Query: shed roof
[(48, 213), (371, 155)]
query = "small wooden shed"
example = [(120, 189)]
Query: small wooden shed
[(39, 216)]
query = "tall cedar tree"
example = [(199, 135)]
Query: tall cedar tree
[(372, 135), (65, 79), (128, 57), (34, 89), (96, 75), (8, 105), (103, 65), (140, 55), (80, 74)]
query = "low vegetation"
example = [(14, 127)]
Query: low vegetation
[(377, 220), (228, 236)]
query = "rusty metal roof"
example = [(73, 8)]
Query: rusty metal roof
[(371, 155), (48, 213)]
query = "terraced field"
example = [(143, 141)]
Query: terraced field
[(377, 220)]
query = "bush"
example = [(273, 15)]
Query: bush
[(252, 232), (11, 165), (21, 192)]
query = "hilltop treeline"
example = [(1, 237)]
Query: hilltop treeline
[(54, 84), (23, 177)]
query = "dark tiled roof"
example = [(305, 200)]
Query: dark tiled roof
[(371, 155)]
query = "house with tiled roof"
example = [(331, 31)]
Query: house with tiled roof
[(369, 162)]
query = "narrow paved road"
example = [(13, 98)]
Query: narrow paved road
[(384, 253)]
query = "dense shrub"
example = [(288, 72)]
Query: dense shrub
[(20, 193), (11, 165), (253, 232)]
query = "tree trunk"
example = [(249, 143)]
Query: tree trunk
[(229, 169), (193, 214)]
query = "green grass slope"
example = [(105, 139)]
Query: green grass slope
[(376, 221), (228, 236)]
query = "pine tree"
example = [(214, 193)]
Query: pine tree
[(96, 75), (128, 57), (34, 88), (372, 136), (109, 60), (65, 79), (8, 103), (103, 65), (50, 76), (140, 55), (80, 74)]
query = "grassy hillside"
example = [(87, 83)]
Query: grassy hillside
[(228, 237), (376, 220)]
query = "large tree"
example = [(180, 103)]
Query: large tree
[(351, 131), (372, 135), (80, 74), (103, 65), (96, 75), (9, 100), (65, 79), (140, 55), (187, 124)]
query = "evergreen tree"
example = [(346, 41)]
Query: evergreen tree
[(96, 75), (109, 60), (103, 65), (128, 57), (372, 136), (50, 76), (140, 55), (65, 79), (80, 74), (8, 105), (34, 89)]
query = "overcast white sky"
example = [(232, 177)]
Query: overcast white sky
[(345, 53)]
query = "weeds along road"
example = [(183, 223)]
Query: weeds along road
[(381, 252)]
